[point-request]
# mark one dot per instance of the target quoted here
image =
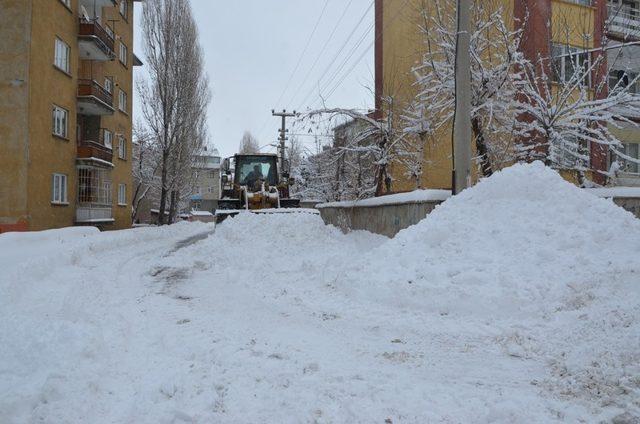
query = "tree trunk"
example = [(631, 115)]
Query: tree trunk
[(163, 190), (173, 205), (481, 147)]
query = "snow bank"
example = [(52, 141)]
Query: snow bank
[(531, 263), (416, 196), (516, 301)]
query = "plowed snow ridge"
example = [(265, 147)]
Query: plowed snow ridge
[(516, 301)]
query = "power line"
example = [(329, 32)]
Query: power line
[(304, 51), (365, 52), (335, 57), (319, 55)]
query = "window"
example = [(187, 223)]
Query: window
[(123, 54), (124, 8), (59, 189), (122, 147), (108, 85), (122, 101), (582, 2), (61, 57), (122, 194), (108, 139), (631, 150), (106, 187), (569, 62), (60, 121), (622, 79), (210, 190)]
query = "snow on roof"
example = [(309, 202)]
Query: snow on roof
[(201, 213), (416, 196), (615, 191)]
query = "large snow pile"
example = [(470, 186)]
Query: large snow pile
[(535, 265), (516, 301)]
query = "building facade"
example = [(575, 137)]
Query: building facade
[(551, 29), (206, 182), (66, 87)]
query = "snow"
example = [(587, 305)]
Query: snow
[(615, 191), (416, 196), (200, 213), (515, 301)]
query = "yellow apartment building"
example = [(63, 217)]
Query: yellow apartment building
[(66, 87), (552, 27)]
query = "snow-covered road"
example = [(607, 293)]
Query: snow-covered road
[(279, 318)]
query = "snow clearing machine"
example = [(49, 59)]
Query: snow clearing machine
[(253, 183)]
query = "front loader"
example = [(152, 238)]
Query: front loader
[(253, 183)]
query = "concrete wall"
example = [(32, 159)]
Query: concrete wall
[(387, 220), (631, 204)]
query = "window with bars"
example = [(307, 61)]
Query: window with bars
[(61, 55), (60, 121), (94, 186), (59, 189)]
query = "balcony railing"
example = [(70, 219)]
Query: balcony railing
[(94, 32), (93, 99), (91, 212), (88, 149), (624, 21)]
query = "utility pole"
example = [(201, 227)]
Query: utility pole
[(283, 132), (461, 140)]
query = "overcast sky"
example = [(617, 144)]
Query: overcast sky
[(252, 48)]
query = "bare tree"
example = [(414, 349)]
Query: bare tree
[(249, 144), (145, 167), (175, 98), (496, 74)]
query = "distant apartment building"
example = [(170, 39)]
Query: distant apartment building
[(555, 29), (206, 181), (66, 87)]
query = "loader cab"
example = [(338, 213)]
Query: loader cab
[(252, 167)]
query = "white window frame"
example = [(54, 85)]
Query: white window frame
[(569, 55), (60, 121), (123, 54), (107, 139), (122, 147), (106, 186), (122, 195), (122, 101), (59, 189), (123, 8), (108, 85), (62, 55)]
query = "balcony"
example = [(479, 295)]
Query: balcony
[(94, 41), (91, 150), (89, 5), (93, 99), (94, 213), (623, 21), (94, 195)]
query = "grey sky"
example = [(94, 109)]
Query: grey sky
[(252, 47)]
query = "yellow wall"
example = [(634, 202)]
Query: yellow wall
[(402, 46), (15, 28), (29, 152), (49, 154), (572, 24)]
